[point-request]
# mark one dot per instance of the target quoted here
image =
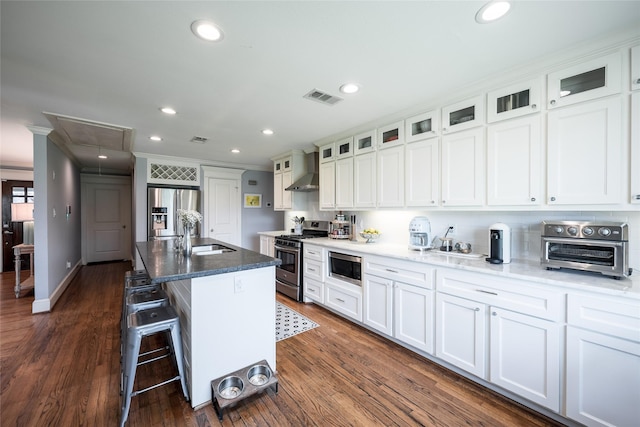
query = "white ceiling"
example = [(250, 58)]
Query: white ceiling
[(119, 62)]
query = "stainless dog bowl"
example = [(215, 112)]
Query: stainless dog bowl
[(259, 374), (231, 387)]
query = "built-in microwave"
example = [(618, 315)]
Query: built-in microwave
[(345, 267)]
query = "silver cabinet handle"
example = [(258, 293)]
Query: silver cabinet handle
[(486, 292), (311, 290), (8, 232), (311, 269), (390, 270), (341, 300)]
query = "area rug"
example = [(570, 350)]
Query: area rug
[(289, 322)]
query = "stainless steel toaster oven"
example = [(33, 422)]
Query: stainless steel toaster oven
[(601, 247)]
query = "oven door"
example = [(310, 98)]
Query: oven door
[(289, 270), (589, 255)]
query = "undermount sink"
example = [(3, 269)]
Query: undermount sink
[(211, 249)]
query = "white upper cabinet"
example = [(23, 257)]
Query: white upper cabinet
[(328, 153), (589, 80), (391, 135), (463, 171), (285, 171), (364, 180), (327, 185), (391, 177), (514, 101), (344, 183), (585, 154), (635, 148), (635, 68), (344, 148), (463, 115), (422, 173), (422, 126), (514, 162), (365, 142)]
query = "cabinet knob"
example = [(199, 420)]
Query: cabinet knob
[(534, 106), (433, 202), (637, 197), (637, 81), (553, 199), (552, 102), (494, 313), (477, 309), (444, 201), (533, 199)]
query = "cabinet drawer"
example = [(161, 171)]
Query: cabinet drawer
[(403, 271), (313, 290), (312, 269), (609, 316), (345, 299), (312, 252), (519, 296)]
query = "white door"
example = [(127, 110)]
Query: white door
[(344, 183), (223, 210), (328, 185), (378, 303), (413, 316), (463, 171), (461, 333), (585, 155), (423, 173), (524, 356), (391, 177), (106, 220), (364, 176)]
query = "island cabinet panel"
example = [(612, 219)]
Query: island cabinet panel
[(228, 324)]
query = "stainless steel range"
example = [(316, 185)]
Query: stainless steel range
[(288, 248), (601, 247)]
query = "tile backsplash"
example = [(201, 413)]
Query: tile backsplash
[(473, 226)]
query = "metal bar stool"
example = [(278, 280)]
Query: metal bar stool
[(136, 274), (139, 299), (141, 324)]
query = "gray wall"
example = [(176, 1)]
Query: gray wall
[(57, 239), (259, 219)]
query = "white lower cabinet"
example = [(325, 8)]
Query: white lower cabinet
[(488, 338), (267, 245), (344, 298), (313, 273), (398, 301), (603, 361)]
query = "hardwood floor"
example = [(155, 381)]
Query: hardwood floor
[(62, 369)]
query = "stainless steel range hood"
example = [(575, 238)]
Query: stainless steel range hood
[(310, 181)]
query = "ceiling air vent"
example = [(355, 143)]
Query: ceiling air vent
[(199, 139), (322, 97)]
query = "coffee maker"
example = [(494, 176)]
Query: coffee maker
[(499, 244), (419, 233)]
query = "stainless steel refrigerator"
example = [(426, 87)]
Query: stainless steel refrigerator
[(162, 216)]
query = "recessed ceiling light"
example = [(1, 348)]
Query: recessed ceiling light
[(168, 110), (207, 30), (155, 138), (235, 150), (349, 88), (492, 11), (267, 131)]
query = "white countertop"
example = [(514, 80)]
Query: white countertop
[(273, 233), (518, 269)]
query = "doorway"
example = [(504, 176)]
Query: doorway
[(12, 232)]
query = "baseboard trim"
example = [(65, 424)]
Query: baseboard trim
[(46, 304)]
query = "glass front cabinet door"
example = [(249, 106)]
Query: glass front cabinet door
[(514, 101), (344, 148), (463, 115), (589, 80), (327, 152), (422, 126), (364, 142), (391, 135)]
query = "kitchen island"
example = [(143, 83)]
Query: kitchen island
[(226, 302)]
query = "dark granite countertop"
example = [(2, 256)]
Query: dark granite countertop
[(164, 263)]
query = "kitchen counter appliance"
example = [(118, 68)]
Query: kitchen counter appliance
[(162, 216), (345, 267), (420, 233), (601, 247), (499, 244), (288, 248)]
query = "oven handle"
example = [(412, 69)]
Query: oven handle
[(287, 250), (585, 242)]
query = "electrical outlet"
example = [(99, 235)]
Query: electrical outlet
[(68, 264), (451, 230), (238, 286)]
